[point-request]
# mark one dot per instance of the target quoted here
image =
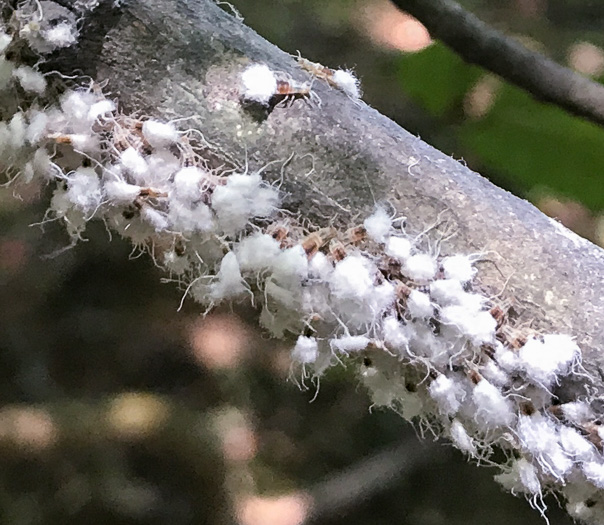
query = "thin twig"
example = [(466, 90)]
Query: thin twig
[(478, 43), (373, 475)]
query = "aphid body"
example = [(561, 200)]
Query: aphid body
[(264, 86), (341, 79)]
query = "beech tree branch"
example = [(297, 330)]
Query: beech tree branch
[(478, 43), (373, 475), (179, 58)]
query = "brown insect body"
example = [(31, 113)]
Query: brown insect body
[(289, 91), (180, 247), (356, 235), (337, 250), (150, 193), (61, 139), (527, 408), (291, 88), (281, 233), (313, 242), (513, 337), (402, 290), (474, 376), (318, 71)]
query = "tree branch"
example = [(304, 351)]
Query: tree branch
[(372, 475), (480, 44), (183, 57)]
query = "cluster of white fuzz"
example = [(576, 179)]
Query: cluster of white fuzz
[(437, 351), (261, 85), (427, 343), (45, 26)]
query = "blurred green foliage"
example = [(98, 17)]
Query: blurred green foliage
[(533, 145), (437, 79)]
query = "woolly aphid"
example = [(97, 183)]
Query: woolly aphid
[(261, 85), (344, 80)]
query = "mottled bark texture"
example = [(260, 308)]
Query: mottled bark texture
[(178, 58)]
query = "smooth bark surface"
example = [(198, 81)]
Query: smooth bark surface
[(180, 58)]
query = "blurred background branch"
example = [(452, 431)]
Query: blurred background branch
[(480, 44), (342, 493)]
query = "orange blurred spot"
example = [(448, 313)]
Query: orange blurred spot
[(586, 58), (239, 444), (30, 428), (599, 231), (291, 509), (480, 99), (220, 341), (136, 415), (571, 214), (239, 441), (13, 255), (389, 27), (281, 361), (531, 8)]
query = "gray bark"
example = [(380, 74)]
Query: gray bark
[(177, 58)]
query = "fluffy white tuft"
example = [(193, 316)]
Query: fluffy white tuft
[(594, 472), (259, 83), (306, 350), (447, 394), (543, 361), (242, 198), (230, 283), (539, 436), (159, 134), (419, 305), (30, 79), (378, 225), (461, 439), (394, 334), (120, 192), (347, 82), (84, 190), (320, 267), (458, 267), (445, 292), (257, 252), (492, 408), (134, 163), (477, 327), (420, 267), (350, 343), (100, 109), (187, 182), (520, 477), (398, 247)]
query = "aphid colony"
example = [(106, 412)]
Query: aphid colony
[(427, 342)]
